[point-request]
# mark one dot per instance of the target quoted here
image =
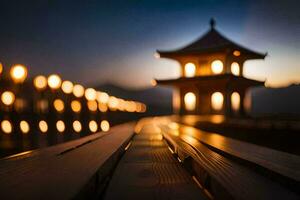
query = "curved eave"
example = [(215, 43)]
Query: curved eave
[(248, 54), (229, 77)]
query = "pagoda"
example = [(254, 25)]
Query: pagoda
[(212, 80)]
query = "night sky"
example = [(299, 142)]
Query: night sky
[(93, 42)]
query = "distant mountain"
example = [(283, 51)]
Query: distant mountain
[(158, 99), (265, 101), (276, 101)]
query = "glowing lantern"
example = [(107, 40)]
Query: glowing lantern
[(105, 125), (59, 105), (217, 100), (93, 126), (24, 126), (43, 126), (90, 94), (40, 82), (7, 98), (18, 73), (6, 126), (190, 101), (102, 97), (76, 106), (60, 126), (54, 81), (236, 53), (217, 66), (78, 90), (190, 69), (67, 87), (77, 126)]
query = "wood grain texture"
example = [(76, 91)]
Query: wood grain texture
[(48, 174)]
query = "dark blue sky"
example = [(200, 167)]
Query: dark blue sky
[(93, 41)]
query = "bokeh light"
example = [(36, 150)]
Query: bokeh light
[(40, 82), (76, 106), (43, 126), (104, 125), (78, 90), (24, 126), (60, 126), (6, 126), (59, 105), (18, 73), (7, 98), (54, 81), (77, 126), (67, 87), (90, 94), (217, 101), (93, 126)]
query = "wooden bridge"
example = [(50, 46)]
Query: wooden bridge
[(155, 158)]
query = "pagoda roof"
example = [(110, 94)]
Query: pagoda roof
[(222, 78), (212, 42)]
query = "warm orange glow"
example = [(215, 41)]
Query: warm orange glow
[(217, 66), (7, 98), (43, 126), (42, 105), (40, 82), (59, 105), (54, 81), (235, 101), (102, 97), (90, 94), (190, 69), (113, 103), (67, 87), (235, 68), (153, 82), (78, 90), (76, 106), (6, 126), (105, 125), (217, 100), (18, 73), (190, 101), (93, 126), (236, 53), (77, 126), (24, 126), (60, 126), (1, 68), (92, 106)]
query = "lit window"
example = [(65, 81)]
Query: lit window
[(190, 101), (217, 66), (235, 68), (190, 69), (235, 101), (217, 100), (60, 126), (6, 126)]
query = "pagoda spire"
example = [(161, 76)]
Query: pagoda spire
[(212, 23)]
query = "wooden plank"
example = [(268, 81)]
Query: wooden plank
[(282, 163), (222, 176), (149, 171), (48, 174)]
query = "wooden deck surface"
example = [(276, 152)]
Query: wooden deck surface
[(149, 171), (65, 171)]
